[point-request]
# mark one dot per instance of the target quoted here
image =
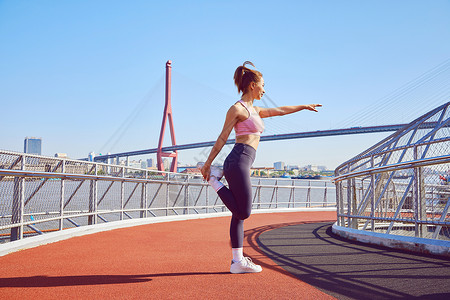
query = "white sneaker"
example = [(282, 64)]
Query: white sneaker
[(214, 171), (244, 266)]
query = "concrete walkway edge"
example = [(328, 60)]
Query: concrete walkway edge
[(413, 244), (52, 237)]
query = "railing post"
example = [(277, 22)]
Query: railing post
[(146, 195), (96, 196), (207, 198), (293, 194), (308, 195), (61, 199), (340, 203), (354, 209), (419, 198), (17, 209), (91, 201), (276, 194), (92, 219), (167, 194), (349, 197), (372, 198), (349, 203), (423, 203), (18, 205), (186, 197), (325, 195), (143, 202), (122, 191), (416, 196)]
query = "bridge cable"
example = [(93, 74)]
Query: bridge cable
[(118, 134), (434, 83)]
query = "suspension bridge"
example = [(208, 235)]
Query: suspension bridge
[(431, 86)]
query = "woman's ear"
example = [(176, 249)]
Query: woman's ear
[(252, 85)]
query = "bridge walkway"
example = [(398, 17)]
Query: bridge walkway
[(190, 260)]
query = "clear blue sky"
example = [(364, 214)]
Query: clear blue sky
[(78, 73)]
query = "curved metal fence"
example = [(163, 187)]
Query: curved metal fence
[(43, 194), (400, 186)]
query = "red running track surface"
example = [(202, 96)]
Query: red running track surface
[(175, 260)]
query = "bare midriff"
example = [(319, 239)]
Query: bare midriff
[(249, 139)]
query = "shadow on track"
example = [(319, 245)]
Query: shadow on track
[(54, 281), (351, 270)]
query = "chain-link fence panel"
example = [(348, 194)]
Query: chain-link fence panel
[(400, 186)]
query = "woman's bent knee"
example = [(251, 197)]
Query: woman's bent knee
[(243, 215)]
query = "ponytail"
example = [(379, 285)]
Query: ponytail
[(243, 76)]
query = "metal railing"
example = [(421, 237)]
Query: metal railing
[(43, 194), (401, 185)]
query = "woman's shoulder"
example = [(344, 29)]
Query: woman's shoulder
[(237, 107), (238, 110)]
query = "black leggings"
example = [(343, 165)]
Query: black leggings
[(238, 197)]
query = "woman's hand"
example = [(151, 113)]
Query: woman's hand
[(206, 170), (312, 107)]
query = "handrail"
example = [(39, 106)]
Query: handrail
[(397, 166)]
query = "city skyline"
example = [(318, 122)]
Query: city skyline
[(294, 169)]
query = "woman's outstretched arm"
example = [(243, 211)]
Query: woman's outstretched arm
[(285, 110)]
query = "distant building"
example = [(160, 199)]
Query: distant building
[(311, 168), (166, 163), (137, 164), (110, 160), (150, 163), (279, 165), (315, 168), (91, 156), (33, 145)]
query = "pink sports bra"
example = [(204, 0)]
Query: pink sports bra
[(252, 125)]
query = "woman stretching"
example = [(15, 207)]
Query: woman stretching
[(246, 120)]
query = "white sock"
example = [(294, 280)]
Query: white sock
[(238, 254), (216, 184)]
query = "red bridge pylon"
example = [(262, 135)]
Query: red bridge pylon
[(167, 114)]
